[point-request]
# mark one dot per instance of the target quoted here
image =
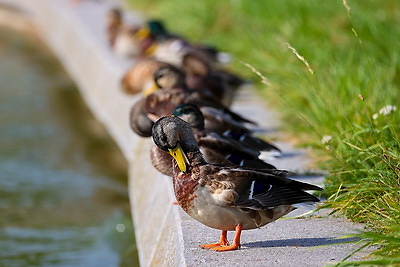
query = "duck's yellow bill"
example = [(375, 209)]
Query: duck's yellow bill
[(178, 155), (151, 50), (143, 33), (151, 89)]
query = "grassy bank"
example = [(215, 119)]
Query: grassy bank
[(334, 73)]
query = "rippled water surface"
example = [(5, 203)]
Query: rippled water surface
[(63, 193)]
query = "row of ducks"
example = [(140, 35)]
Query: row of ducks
[(216, 162), (154, 40)]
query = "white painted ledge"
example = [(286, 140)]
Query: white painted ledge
[(165, 235)]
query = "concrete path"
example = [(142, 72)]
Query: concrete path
[(165, 235)]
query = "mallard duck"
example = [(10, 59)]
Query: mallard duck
[(218, 118), (127, 40), (171, 48), (148, 74), (162, 102), (225, 197), (196, 74), (169, 77)]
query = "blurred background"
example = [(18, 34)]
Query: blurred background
[(63, 181)]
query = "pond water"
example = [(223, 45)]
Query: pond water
[(63, 182)]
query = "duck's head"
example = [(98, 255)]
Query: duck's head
[(140, 123), (158, 29), (168, 77), (175, 136), (191, 114)]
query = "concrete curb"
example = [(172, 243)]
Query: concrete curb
[(165, 235)]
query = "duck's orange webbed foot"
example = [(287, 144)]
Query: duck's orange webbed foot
[(227, 247), (222, 242)]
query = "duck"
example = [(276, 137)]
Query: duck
[(149, 74), (218, 117), (126, 40), (216, 149), (228, 198), (164, 99), (169, 78), (171, 48), (147, 110), (195, 74)]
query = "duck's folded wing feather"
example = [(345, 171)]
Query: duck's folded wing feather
[(266, 189), (226, 146), (272, 197)]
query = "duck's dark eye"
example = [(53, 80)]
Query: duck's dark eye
[(164, 139)]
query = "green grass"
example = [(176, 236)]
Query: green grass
[(356, 72)]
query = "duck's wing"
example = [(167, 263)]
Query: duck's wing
[(231, 150), (264, 189), (225, 146), (262, 195), (218, 121), (248, 140)]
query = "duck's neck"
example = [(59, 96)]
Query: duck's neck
[(190, 147), (195, 158)]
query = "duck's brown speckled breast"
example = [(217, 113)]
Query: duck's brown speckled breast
[(184, 188)]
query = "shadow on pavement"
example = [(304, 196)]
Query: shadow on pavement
[(301, 242)]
